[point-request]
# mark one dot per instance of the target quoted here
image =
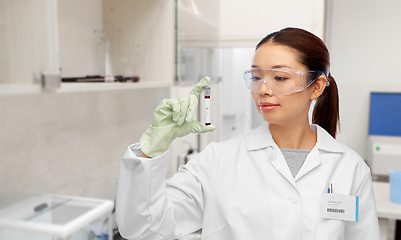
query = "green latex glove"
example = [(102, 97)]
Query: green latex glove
[(174, 118)]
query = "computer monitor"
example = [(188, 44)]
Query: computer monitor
[(384, 144), (385, 114)]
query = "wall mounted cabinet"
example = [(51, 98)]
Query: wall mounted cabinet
[(197, 41), (74, 39)]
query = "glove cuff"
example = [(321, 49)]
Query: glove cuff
[(156, 140)]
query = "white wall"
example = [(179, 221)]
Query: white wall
[(363, 39), (71, 143), (245, 23)]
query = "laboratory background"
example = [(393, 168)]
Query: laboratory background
[(80, 79)]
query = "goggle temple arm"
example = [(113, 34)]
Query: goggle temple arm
[(327, 78), (314, 75), (302, 81)]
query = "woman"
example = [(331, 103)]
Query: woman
[(267, 184)]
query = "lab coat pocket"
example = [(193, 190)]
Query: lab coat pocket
[(330, 229)]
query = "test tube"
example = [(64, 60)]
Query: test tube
[(206, 92)]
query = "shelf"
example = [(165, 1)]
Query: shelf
[(15, 89), (82, 87)]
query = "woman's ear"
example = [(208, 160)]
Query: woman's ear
[(318, 87)]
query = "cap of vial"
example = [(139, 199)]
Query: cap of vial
[(206, 91)]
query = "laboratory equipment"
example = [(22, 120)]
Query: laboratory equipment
[(30, 216), (99, 78), (387, 210), (384, 141), (395, 186), (206, 93)]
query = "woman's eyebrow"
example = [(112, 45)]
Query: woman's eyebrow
[(281, 66)]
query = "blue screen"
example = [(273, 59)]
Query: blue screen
[(385, 114)]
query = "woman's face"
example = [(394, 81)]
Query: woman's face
[(288, 109)]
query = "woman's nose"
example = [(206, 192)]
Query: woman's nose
[(264, 90)]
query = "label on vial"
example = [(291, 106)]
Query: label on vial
[(207, 111)]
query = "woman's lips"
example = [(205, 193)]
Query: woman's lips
[(266, 106)]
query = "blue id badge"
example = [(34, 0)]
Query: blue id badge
[(340, 207)]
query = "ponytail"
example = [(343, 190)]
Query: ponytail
[(326, 112)]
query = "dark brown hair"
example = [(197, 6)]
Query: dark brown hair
[(314, 55)]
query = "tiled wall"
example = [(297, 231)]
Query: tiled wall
[(71, 143)]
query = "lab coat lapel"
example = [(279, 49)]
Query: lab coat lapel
[(262, 138), (280, 164), (325, 142), (312, 161)]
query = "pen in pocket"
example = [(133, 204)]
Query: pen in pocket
[(330, 189)]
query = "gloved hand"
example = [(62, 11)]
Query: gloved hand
[(174, 118)]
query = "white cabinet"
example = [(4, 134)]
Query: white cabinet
[(76, 39), (141, 35), (28, 40), (245, 23), (197, 41)]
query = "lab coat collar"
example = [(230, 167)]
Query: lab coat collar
[(262, 138), (325, 141)]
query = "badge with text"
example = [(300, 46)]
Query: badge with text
[(340, 207)]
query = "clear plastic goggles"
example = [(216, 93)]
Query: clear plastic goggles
[(279, 81)]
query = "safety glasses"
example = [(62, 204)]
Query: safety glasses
[(279, 81)]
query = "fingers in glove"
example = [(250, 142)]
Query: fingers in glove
[(198, 127), (184, 103), (193, 104), (197, 90), (175, 108)]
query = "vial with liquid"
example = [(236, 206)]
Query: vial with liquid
[(206, 93)]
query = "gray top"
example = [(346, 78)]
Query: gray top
[(295, 158)]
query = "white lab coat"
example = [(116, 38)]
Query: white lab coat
[(243, 189)]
